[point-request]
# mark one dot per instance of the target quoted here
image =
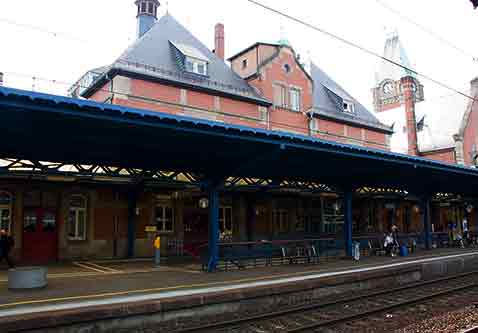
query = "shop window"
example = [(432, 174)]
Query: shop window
[(5, 211), (77, 218), (225, 222), (333, 216), (164, 216), (280, 220)]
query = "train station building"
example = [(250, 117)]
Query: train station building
[(171, 140)]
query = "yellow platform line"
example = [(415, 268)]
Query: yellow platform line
[(190, 286)]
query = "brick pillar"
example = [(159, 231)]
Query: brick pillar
[(408, 84), (219, 41)]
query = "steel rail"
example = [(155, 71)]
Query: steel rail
[(295, 310)]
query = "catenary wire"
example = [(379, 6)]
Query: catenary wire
[(356, 46), (427, 30)]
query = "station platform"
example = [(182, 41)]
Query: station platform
[(106, 289)]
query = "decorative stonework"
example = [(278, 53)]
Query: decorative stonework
[(389, 94)]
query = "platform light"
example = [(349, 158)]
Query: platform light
[(469, 208), (203, 203)]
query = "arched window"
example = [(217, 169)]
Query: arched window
[(77, 217), (5, 211)]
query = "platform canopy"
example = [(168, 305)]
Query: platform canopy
[(53, 128)]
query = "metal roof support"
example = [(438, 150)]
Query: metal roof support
[(213, 188), (348, 196), (426, 216), (132, 205)]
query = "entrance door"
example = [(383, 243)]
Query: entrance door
[(40, 235)]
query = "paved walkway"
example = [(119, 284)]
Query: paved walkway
[(97, 281)]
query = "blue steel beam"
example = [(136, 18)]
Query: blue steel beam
[(348, 196), (215, 129), (213, 228), (426, 216)]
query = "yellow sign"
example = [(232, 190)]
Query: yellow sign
[(157, 243), (151, 228)]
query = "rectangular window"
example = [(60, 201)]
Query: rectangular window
[(280, 221), (164, 215), (225, 223), (151, 8), (244, 63), (348, 107), (196, 66), (189, 65), (295, 99), (333, 216), (77, 218), (201, 68)]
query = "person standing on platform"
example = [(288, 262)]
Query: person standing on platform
[(466, 234), (6, 244), (157, 251)]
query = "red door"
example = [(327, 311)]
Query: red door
[(40, 235)]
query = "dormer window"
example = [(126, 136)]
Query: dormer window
[(192, 60), (349, 107), (196, 66)]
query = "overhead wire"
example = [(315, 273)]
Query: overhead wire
[(427, 30), (357, 46)]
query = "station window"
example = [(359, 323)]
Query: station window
[(333, 216), (77, 218), (164, 216), (280, 221), (5, 211), (225, 222), (295, 99)]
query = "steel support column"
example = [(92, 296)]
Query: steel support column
[(426, 216), (132, 203), (213, 259), (348, 195)]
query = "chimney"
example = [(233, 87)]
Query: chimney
[(1, 79), (147, 15), (409, 88), (219, 47)]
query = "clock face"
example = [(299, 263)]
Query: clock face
[(388, 88)]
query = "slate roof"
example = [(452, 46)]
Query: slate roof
[(152, 55), (328, 102)]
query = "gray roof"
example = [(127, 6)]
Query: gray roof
[(328, 102), (153, 55)]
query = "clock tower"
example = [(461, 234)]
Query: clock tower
[(388, 92), (396, 92)]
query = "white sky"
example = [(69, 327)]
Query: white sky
[(96, 32)]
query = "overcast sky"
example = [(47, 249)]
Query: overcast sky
[(62, 39)]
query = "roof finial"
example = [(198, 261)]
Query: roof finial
[(283, 41)]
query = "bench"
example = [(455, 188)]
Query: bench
[(376, 247)]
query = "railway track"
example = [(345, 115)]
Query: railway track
[(327, 315)]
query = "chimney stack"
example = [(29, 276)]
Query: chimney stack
[(219, 46), (1, 79), (409, 87)]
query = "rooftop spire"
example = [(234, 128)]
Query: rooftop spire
[(147, 15), (395, 52)]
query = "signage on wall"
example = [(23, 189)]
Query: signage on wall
[(151, 228)]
